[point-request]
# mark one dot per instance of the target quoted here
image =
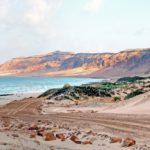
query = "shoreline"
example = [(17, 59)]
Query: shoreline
[(24, 85), (20, 96)]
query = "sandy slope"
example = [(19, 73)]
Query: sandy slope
[(122, 120), (136, 105), (7, 99)]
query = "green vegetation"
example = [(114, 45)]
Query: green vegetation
[(131, 79), (109, 85), (133, 94), (104, 85), (117, 98), (75, 92), (100, 89)]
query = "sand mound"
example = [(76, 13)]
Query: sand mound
[(137, 105)]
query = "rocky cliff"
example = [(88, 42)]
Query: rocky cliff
[(128, 62)]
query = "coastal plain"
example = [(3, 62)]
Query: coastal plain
[(92, 123)]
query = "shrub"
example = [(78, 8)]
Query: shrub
[(108, 85), (133, 94), (130, 79), (67, 86), (117, 98)]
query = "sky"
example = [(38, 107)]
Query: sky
[(30, 27)]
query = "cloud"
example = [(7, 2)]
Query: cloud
[(142, 31), (92, 6), (37, 10), (40, 10), (28, 12), (28, 24), (4, 5)]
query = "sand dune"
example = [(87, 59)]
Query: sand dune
[(137, 105), (102, 122)]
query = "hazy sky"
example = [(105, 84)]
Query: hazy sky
[(29, 27)]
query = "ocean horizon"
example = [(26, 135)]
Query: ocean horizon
[(22, 85)]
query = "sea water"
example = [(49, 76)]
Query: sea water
[(15, 85)]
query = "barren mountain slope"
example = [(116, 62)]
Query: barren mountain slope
[(128, 62)]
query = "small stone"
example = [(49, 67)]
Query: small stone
[(37, 142), (33, 127), (3, 143), (54, 125), (60, 136), (75, 139), (76, 102), (90, 132), (40, 133), (33, 134), (115, 140), (93, 111), (49, 136), (20, 125), (128, 142), (78, 133), (86, 142), (51, 147), (15, 135)]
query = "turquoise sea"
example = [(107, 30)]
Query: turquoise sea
[(14, 85)]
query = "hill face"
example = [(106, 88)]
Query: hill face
[(129, 62)]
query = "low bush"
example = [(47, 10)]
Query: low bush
[(133, 94), (117, 98), (108, 85), (75, 92), (130, 79)]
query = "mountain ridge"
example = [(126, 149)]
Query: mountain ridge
[(58, 63)]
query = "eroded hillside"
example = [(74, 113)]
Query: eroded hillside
[(128, 62)]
